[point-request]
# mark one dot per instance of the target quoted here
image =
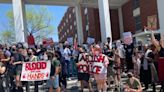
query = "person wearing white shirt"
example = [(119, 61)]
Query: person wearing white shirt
[(67, 56)]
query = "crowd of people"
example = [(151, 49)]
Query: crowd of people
[(103, 63)]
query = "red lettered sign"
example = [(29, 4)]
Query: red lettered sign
[(36, 71)]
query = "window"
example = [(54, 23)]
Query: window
[(73, 10), (71, 27), (64, 23), (136, 4), (65, 33), (69, 15), (87, 20), (74, 23), (86, 11), (87, 27), (67, 20), (67, 30), (75, 35), (138, 23)]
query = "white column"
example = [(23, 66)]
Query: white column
[(20, 20), (121, 22), (105, 21), (79, 24), (161, 14)]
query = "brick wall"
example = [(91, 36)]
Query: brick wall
[(128, 19), (148, 8), (115, 24)]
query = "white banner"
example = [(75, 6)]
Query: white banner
[(36, 71)]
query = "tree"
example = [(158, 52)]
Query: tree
[(7, 37), (38, 23)]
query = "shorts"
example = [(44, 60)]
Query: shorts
[(102, 76), (111, 71), (53, 83), (18, 71), (83, 76)]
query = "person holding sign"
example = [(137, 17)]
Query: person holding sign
[(18, 59), (83, 68), (33, 58), (100, 68), (160, 47)]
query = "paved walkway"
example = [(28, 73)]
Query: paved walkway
[(73, 86)]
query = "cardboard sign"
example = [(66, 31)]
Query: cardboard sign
[(36, 71), (152, 22), (70, 40), (127, 38), (83, 66), (47, 41), (97, 67), (90, 40)]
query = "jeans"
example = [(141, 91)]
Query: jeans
[(68, 68)]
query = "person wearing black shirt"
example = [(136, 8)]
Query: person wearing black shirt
[(160, 47), (18, 59), (128, 56)]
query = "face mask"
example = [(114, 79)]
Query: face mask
[(45, 57), (13, 50), (54, 58), (29, 54), (129, 76)]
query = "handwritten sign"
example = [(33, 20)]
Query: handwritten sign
[(90, 40), (97, 67), (83, 66), (70, 40), (36, 71), (47, 41)]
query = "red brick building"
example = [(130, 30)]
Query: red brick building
[(134, 15)]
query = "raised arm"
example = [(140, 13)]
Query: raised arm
[(154, 41)]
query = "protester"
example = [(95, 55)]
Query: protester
[(128, 56), (132, 84), (3, 72), (137, 62), (110, 70), (33, 58), (53, 82), (160, 48), (100, 71), (17, 62), (117, 67), (67, 57), (148, 72), (104, 63), (83, 71)]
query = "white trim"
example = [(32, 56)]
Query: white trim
[(145, 33)]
